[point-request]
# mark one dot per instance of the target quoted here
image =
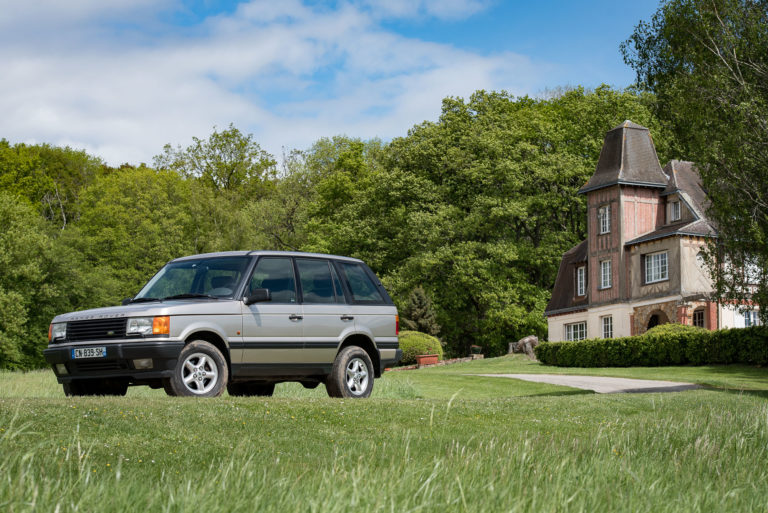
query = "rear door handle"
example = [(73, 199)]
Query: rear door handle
[(295, 317), (347, 318)]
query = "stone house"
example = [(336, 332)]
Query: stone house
[(641, 264)]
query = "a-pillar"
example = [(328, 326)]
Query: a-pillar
[(682, 314)]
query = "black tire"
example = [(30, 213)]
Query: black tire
[(351, 375), (251, 389), (201, 371), (90, 387)]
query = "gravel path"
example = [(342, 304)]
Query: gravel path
[(600, 384)]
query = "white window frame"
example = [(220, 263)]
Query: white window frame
[(751, 318), (604, 219), (674, 211), (606, 277), (606, 323), (576, 331), (656, 267), (581, 281)]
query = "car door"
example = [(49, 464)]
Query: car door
[(327, 317), (272, 330)]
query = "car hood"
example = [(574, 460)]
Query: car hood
[(169, 307)]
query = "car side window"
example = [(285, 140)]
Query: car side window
[(276, 275), (316, 281), (360, 284)]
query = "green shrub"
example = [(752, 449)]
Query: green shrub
[(669, 344), (415, 343)]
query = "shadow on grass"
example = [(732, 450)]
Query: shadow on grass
[(558, 394)]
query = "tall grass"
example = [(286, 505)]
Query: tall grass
[(414, 449)]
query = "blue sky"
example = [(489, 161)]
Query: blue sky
[(122, 78)]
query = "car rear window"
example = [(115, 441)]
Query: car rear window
[(360, 283)]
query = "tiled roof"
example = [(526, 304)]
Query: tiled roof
[(628, 157), (564, 295)]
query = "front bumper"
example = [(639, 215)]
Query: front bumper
[(118, 362)]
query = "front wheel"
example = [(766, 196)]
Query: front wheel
[(201, 371), (351, 375)]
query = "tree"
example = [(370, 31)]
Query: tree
[(707, 63), (41, 277), (50, 178), (418, 314), (227, 161)]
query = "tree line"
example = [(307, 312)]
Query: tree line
[(469, 214)]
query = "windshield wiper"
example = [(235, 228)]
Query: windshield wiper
[(144, 299), (190, 296)]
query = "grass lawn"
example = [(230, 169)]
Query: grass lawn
[(429, 440)]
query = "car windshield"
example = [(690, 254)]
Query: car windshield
[(211, 278)]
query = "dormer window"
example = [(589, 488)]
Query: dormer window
[(674, 211), (604, 219)]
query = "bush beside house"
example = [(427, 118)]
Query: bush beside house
[(669, 344), (414, 343)]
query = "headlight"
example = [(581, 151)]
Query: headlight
[(59, 330), (148, 326)]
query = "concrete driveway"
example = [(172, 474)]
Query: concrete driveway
[(601, 384)]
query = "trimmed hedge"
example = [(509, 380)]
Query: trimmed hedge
[(414, 343), (669, 344)]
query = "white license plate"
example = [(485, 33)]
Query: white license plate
[(89, 352)]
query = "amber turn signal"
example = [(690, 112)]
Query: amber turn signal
[(161, 325)]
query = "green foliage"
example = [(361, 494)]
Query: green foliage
[(418, 314), (414, 343), (670, 344), (707, 63), (41, 277), (228, 161), (50, 178)]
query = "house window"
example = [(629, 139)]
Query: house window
[(656, 267), (605, 274), (576, 331), (698, 317), (751, 318), (674, 211), (607, 324), (604, 219), (581, 281)]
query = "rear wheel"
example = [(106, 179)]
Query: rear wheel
[(201, 371), (251, 388), (85, 387), (351, 375)]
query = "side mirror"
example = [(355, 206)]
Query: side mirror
[(258, 296), (126, 301)]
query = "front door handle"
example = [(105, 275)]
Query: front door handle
[(295, 317), (347, 318)]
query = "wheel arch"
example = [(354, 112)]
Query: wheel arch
[(368, 346), (215, 340)]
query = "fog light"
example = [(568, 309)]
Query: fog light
[(61, 368), (143, 363)]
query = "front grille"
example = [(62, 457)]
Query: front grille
[(95, 329), (99, 366)]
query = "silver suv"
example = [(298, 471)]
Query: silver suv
[(240, 320)]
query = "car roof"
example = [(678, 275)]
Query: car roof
[(264, 253)]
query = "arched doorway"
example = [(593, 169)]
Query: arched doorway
[(657, 318)]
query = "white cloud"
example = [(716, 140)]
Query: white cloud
[(286, 72)]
